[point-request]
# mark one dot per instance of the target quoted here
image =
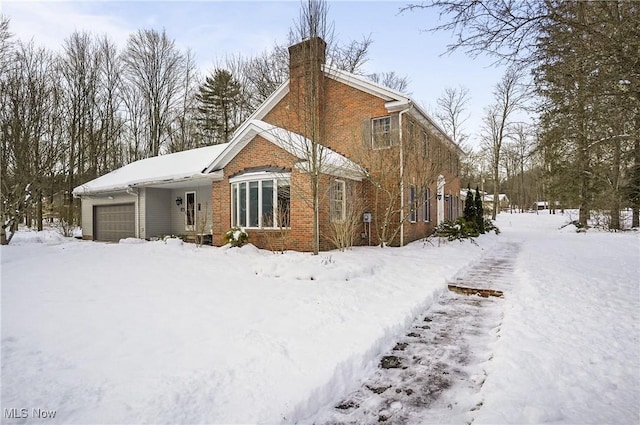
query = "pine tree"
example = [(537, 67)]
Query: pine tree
[(469, 207), (220, 101), (479, 211)]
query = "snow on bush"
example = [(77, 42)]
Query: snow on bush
[(236, 236)]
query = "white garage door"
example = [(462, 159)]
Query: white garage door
[(113, 222)]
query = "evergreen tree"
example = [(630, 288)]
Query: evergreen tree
[(220, 104), (479, 211), (469, 207)]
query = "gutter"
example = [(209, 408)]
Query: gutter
[(195, 177)]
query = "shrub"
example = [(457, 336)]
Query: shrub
[(463, 229), (458, 229), (236, 236), (489, 226)]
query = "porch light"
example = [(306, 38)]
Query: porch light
[(179, 201), (439, 196), (447, 196)]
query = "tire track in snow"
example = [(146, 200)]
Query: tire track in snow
[(435, 372)]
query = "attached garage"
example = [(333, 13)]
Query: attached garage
[(114, 222)]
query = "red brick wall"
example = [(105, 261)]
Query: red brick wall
[(261, 152)]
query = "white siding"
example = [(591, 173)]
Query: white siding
[(158, 206)]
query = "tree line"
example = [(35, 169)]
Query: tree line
[(581, 60), (70, 116)]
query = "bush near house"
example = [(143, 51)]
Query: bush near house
[(236, 236), (464, 229)]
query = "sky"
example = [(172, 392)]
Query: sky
[(215, 29)]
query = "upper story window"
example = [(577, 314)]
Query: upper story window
[(381, 132), (260, 201), (425, 144)]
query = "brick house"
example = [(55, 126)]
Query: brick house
[(381, 161)]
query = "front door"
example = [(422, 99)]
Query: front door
[(190, 216)]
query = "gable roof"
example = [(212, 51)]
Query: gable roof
[(163, 169), (394, 100), (297, 145)]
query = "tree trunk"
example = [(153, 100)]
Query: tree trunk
[(39, 208), (635, 179), (615, 183)]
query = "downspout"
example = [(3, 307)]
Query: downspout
[(402, 174)]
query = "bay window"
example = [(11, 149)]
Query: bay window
[(260, 201)]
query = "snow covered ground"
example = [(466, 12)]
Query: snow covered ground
[(161, 332)]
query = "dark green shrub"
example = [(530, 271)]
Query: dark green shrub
[(236, 236), (479, 211), (469, 206), (458, 229)]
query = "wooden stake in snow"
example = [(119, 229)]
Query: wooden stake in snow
[(484, 293)]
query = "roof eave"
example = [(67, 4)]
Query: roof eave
[(146, 183)]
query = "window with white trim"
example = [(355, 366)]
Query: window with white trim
[(338, 207), (261, 201), (381, 132), (413, 214), (426, 206)]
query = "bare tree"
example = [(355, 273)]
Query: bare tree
[(351, 56), (509, 96), (5, 43), (522, 148), (182, 129), (451, 112), (156, 68), (111, 123), (27, 152), (391, 80), (262, 74), (504, 29)]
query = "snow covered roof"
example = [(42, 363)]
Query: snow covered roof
[(297, 145), (501, 197), (163, 169)]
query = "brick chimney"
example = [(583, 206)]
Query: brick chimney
[(306, 53), (306, 82)]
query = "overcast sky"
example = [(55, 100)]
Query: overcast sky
[(214, 29)]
